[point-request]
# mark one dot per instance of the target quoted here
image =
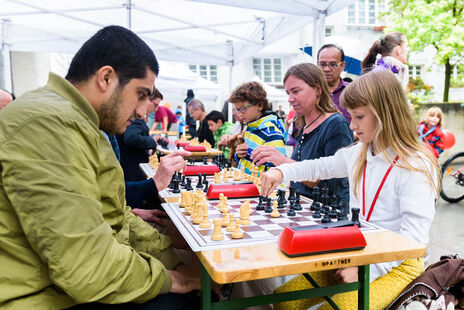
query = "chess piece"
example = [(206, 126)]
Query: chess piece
[(325, 195), (231, 225), (182, 202), (205, 160), (260, 205), (355, 216), (325, 219), (291, 211), (316, 194), (188, 186), (200, 181), (291, 196), (237, 234), (176, 188), (268, 208), (205, 223), (244, 214), (317, 214), (225, 220), (343, 210), (297, 206), (204, 179), (275, 212), (182, 183), (206, 183), (217, 231)]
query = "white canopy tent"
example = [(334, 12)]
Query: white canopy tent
[(220, 32)]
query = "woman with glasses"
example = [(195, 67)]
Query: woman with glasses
[(322, 128), (262, 127)]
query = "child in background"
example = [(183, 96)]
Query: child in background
[(219, 127), (263, 127), (388, 163), (430, 132), (180, 122)]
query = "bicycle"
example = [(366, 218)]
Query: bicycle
[(452, 173)]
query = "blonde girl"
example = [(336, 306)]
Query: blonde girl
[(430, 130), (406, 200)]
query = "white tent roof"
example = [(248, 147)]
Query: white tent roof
[(222, 32)]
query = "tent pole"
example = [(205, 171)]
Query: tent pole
[(5, 59), (318, 33), (129, 14)]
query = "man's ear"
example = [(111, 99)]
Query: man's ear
[(106, 78)]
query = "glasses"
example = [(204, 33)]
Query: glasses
[(242, 109), (332, 65)]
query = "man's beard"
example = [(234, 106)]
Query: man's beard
[(109, 113)]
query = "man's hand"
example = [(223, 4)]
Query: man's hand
[(153, 216), (183, 283), (268, 154), (270, 180), (168, 165), (346, 275), (241, 150)]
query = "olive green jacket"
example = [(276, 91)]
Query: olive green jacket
[(66, 235), (225, 129)]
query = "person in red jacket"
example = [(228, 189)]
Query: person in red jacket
[(430, 132)]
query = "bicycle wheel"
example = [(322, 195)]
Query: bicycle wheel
[(452, 172)]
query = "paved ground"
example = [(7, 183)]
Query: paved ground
[(447, 231)]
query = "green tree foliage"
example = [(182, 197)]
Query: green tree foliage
[(439, 23)]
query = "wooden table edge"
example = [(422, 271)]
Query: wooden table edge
[(221, 271)]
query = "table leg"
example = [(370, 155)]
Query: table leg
[(363, 293), (205, 289)]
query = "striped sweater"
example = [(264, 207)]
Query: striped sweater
[(268, 130)]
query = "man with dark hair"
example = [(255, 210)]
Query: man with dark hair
[(163, 115), (198, 113), (189, 121), (331, 59), (67, 237)]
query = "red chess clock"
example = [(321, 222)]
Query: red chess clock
[(324, 238), (233, 190), (204, 169), (195, 148)]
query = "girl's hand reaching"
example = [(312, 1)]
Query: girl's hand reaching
[(270, 180)]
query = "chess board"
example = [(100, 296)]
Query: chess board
[(262, 229)]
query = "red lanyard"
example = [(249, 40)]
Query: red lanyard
[(378, 190)]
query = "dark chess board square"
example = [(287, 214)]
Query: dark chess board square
[(205, 232), (251, 228), (275, 232), (299, 219), (289, 225), (263, 222), (304, 213), (245, 236)]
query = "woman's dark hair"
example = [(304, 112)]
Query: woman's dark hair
[(383, 46), (215, 116), (117, 47)]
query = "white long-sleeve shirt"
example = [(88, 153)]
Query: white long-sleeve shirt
[(406, 203)]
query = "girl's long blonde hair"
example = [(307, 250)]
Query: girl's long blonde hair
[(381, 91)]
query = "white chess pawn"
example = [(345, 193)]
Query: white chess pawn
[(237, 234), (275, 212)]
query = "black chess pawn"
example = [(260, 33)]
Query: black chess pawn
[(325, 219), (291, 210), (333, 214), (325, 195), (355, 216), (343, 210), (171, 184), (205, 160), (316, 194), (316, 206), (297, 206), (268, 208), (188, 186), (176, 188), (206, 184), (260, 205), (333, 200), (317, 214), (200, 181)]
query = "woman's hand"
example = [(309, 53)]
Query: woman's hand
[(268, 154), (241, 150), (270, 180), (346, 275)]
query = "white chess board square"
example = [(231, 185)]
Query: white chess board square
[(271, 227), (282, 220), (257, 218), (259, 234)]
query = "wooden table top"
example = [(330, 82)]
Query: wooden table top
[(266, 261), (210, 152), (158, 132)]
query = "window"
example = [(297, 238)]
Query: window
[(206, 71), (415, 71), (268, 69), (329, 31), (365, 12)]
